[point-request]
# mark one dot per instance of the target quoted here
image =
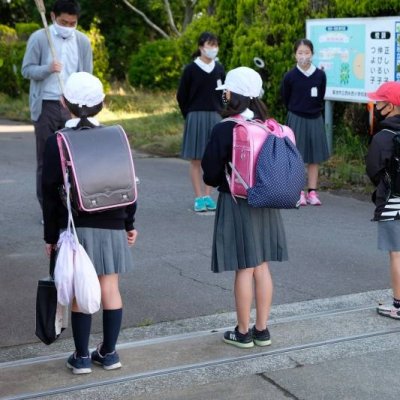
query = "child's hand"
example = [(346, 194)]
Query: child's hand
[(131, 236), (49, 248)]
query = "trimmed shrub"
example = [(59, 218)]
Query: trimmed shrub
[(11, 81), (7, 35), (157, 65), (24, 30)]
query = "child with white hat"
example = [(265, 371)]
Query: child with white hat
[(106, 236), (245, 238)]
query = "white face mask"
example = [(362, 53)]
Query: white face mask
[(303, 61), (64, 31), (210, 53)]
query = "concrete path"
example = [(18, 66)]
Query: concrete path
[(336, 348), (328, 342)]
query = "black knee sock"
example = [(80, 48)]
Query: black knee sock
[(111, 326), (81, 324), (396, 303)]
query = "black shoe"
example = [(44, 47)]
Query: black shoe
[(244, 341), (261, 338)]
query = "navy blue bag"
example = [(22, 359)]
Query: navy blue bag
[(280, 175)]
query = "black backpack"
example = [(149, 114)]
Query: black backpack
[(100, 167), (394, 166)]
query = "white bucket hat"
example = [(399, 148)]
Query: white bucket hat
[(84, 89), (244, 81)]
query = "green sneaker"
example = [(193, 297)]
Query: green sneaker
[(210, 203), (199, 204)]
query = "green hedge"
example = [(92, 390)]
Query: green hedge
[(11, 54), (157, 65)]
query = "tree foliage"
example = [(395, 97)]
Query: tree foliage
[(11, 54), (156, 65), (247, 28), (100, 54)]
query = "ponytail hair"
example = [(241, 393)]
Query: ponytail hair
[(83, 113), (259, 109), (238, 103)]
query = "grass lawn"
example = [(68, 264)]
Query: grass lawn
[(152, 120), (154, 125)]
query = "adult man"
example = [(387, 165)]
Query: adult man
[(73, 54), (382, 172)]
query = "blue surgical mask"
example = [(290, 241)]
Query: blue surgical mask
[(64, 31)]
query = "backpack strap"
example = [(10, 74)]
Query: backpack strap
[(389, 130), (238, 119)]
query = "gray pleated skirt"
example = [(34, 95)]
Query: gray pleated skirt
[(245, 237), (310, 138), (197, 132), (389, 235), (107, 248)]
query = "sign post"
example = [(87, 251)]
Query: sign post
[(357, 55)]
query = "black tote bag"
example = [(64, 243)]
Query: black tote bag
[(50, 316)]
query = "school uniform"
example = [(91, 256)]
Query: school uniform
[(244, 237), (200, 105), (102, 234), (387, 210), (303, 95)]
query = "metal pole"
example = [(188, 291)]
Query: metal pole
[(329, 124)]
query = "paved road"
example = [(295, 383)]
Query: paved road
[(332, 248)]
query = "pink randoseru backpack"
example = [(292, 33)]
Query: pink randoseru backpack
[(248, 138)]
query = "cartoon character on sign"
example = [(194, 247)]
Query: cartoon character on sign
[(344, 73)]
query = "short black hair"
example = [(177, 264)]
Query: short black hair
[(70, 7), (207, 37), (83, 112), (304, 42), (203, 38)]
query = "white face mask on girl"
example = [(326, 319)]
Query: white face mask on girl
[(64, 31), (303, 61), (210, 52)]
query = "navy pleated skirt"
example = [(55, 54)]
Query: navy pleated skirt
[(389, 235), (107, 248), (245, 237), (310, 138), (198, 127)]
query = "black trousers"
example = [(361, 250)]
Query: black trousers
[(52, 118)]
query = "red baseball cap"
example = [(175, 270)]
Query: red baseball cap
[(388, 91)]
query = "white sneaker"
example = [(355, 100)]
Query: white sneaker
[(388, 310)]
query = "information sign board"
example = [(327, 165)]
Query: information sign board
[(357, 54)]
